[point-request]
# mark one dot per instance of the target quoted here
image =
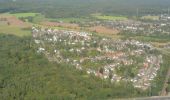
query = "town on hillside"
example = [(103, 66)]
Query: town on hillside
[(117, 60)]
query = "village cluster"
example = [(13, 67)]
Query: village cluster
[(155, 26), (117, 60)]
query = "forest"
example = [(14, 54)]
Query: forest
[(83, 8)]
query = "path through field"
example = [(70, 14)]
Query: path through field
[(164, 92)]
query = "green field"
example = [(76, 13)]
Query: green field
[(19, 15), (39, 16), (150, 17), (14, 30), (68, 20), (112, 18), (19, 31)]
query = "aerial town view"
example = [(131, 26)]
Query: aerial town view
[(84, 50)]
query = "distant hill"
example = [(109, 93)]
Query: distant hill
[(127, 2), (66, 8)]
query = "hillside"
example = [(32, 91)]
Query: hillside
[(84, 49)]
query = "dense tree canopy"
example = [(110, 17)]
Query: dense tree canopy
[(77, 8)]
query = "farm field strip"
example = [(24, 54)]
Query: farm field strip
[(18, 15), (112, 18)]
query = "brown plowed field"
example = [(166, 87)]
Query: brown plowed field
[(11, 20), (103, 30), (65, 25)]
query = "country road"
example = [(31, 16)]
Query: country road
[(163, 92)]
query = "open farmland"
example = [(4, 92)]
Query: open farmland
[(150, 17), (12, 25), (19, 15), (56, 24), (14, 30), (12, 20), (103, 30), (67, 20)]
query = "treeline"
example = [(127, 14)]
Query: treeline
[(79, 8), (156, 37)]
